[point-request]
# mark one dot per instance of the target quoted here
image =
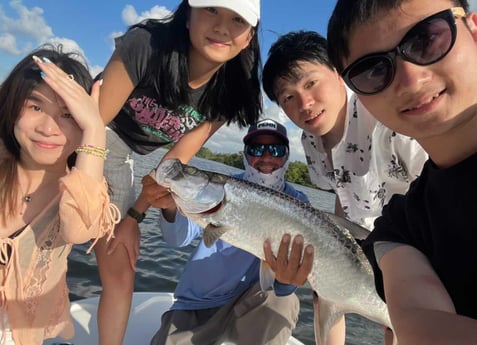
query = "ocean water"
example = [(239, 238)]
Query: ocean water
[(159, 266)]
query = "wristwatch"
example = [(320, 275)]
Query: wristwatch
[(136, 215)]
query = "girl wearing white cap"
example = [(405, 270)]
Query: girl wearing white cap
[(174, 80)]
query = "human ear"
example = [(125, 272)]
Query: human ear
[(471, 23)]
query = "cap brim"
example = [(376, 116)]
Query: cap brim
[(237, 6)]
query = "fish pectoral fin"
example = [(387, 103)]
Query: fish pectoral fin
[(267, 276), (212, 233), (356, 230), (325, 316)]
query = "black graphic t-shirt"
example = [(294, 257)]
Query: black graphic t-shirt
[(143, 123)]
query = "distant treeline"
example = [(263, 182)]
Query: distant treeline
[(297, 171)]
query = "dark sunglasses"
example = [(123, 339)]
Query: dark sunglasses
[(275, 150), (424, 44)]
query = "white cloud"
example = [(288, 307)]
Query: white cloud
[(26, 29), (67, 44), (94, 70), (111, 38), (9, 44), (130, 15)]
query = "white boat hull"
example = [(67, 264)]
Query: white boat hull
[(144, 320)]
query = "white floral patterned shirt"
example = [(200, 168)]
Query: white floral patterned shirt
[(368, 165)]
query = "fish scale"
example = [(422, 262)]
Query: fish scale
[(248, 214)]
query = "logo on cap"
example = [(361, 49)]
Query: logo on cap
[(267, 124)]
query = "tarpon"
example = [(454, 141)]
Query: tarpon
[(245, 214)]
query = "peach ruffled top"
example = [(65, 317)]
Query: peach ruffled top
[(33, 290)]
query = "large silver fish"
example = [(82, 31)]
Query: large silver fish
[(245, 214)]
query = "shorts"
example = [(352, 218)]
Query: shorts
[(119, 172)]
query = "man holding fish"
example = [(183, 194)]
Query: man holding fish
[(226, 293)]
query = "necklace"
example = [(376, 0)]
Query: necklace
[(26, 198)]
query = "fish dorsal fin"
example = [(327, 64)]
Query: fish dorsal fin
[(356, 230), (267, 276), (212, 233), (325, 316)]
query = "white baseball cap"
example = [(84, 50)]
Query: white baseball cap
[(248, 9)]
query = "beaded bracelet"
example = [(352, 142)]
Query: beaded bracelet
[(93, 150)]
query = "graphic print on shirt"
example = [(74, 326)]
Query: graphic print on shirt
[(169, 125), (379, 194), (397, 169), (341, 177)]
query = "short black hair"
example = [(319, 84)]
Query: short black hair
[(287, 51)]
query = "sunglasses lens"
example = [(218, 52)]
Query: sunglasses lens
[(371, 75), (255, 150), (275, 150), (428, 42)]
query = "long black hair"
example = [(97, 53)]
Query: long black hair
[(232, 95)]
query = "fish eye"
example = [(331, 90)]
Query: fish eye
[(190, 170)]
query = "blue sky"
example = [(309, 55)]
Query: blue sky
[(90, 26)]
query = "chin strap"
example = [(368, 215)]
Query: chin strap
[(275, 180)]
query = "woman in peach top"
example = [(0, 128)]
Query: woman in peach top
[(52, 190)]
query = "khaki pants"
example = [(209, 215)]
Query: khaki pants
[(255, 318)]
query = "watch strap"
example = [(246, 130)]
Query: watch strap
[(132, 212)]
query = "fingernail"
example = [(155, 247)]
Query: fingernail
[(45, 59), (309, 249), (36, 59), (298, 239), (286, 238), (101, 82), (43, 74)]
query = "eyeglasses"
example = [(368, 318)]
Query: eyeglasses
[(275, 150), (424, 44)]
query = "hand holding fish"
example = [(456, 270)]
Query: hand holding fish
[(290, 267), (158, 196)]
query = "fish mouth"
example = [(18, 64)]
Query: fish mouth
[(213, 209), (197, 207), (210, 211)]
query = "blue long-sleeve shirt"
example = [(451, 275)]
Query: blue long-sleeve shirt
[(214, 276)]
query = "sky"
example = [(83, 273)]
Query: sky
[(89, 26)]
